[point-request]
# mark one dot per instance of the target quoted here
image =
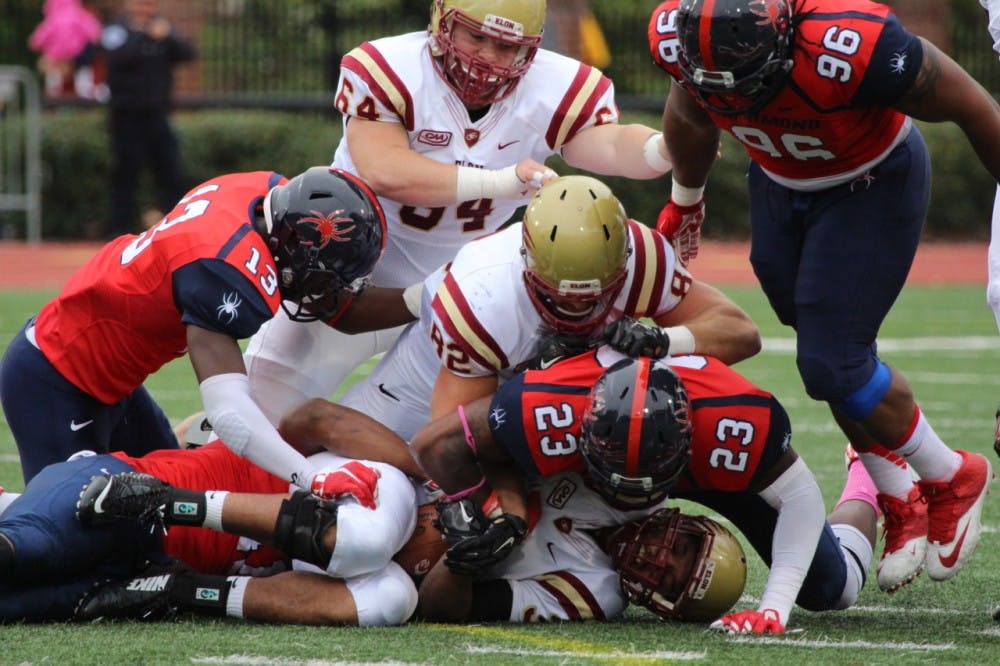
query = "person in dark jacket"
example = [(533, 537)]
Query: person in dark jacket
[(141, 48)]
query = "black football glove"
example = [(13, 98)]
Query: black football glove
[(554, 347), (634, 338), (476, 542)]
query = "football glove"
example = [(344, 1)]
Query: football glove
[(634, 338), (682, 227), (554, 347), (354, 479), (476, 542), (750, 622)]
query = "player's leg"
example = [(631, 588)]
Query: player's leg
[(141, 425), (49, 417)]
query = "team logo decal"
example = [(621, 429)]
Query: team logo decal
[(229, 310), (434, 137), (471, 137), (771, 12), (335, 227), (498, 416)]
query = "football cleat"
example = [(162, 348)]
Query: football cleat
[(953, 516), (904, 527), (126, 496), (146, 597)]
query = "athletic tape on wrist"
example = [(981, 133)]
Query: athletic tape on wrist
[(653, 156), (681, 340), (685, 196)]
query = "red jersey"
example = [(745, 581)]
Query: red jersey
[(739, 430), (211, 467), (124, 313), (833, 119)]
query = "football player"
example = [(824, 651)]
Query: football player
[(99, 552), (234, 251), (638, 430), (451, 127), (821, 94)]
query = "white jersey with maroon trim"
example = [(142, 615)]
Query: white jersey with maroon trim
[(477, 319), (394, 80), (559, 572)]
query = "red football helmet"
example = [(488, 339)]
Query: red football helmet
[(516, 23)]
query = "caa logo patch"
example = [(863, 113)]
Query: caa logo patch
[(561, 494), (434, 137), (185, 508), (206, 594)]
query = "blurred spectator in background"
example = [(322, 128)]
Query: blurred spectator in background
[(66, 42), (141, 48), (572, 30)]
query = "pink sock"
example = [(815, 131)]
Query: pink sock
[(859, 486)]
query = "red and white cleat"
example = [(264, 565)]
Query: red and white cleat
[(954, 509), (904, 527)]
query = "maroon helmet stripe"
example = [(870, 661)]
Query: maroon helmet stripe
[(705, 34), (635, 416)]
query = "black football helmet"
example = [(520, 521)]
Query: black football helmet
[(735, 54), (327, 231), (636, 432), (648, 556)]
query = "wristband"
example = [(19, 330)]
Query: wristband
[(685, 196), (654, 156), (681, 340), (412, 296), (472, 183)]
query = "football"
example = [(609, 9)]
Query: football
[(425, 546)]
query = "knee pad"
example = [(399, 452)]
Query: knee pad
[(387, 597), (861, 403), (302, 522)]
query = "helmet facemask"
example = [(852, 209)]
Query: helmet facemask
[(476, 81)]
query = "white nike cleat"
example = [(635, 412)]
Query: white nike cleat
[(954, 509)]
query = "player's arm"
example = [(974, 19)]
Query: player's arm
[(633, 151), (691, 137), (383, 157), (230, 408), (450, 448), (318, 424), (374, 309), (448, 597), (943, 91), (720, 327), (452, 390)]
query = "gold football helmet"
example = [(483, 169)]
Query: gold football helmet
[(516, 23), (655, 571), (575, 246)]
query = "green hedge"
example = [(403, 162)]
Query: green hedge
[(77, 167)]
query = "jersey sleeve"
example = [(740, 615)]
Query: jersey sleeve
[(506, 419), (465, 343), (657, 282), (369, 88), (214, 295), (589, 101), (895, 62)]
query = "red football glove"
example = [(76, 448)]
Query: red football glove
[(682, 227), (750, 622), (354, 479)]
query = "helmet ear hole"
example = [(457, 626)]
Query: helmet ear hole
[(326, 230)]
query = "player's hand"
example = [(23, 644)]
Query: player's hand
[(750, 622), (682, 227), (354, 479), (634, 338), (476, 554), (534, 174)]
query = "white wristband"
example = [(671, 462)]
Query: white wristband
[(653, 152), (681, 340), (412, 296), (685, 196), (472, 183)]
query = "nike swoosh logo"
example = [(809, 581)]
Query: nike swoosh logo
[(545, 365), (948, 561), (548, 545), (501, 146), (74, 426), (383, 389)]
